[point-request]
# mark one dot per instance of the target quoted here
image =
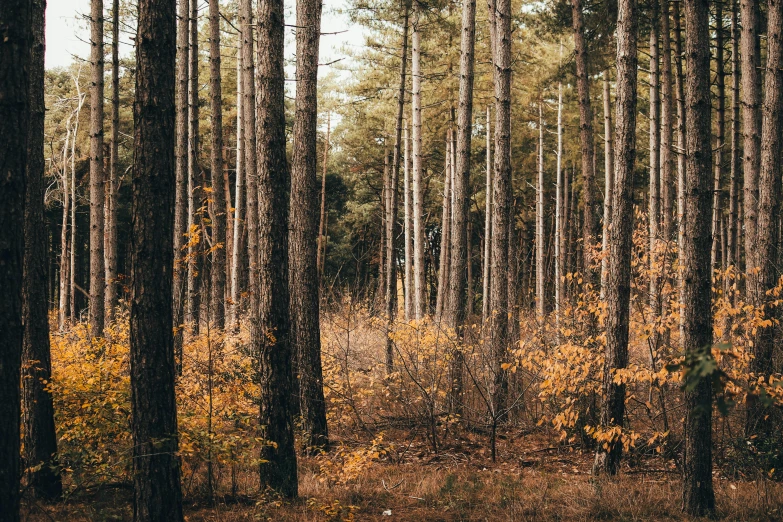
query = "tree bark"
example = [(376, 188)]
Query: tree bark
[(750, 52), (720, 113), (560, 216), (97, 181), (156, 472), (420, 303), (409, 291), (698, 495), (444, 264), (765, 277), (736, 158), (655, 156), (618, 289), (589, 229), (218, 194), (680, 90), (540, 254), (40, 439), (15, 47), (305, 306), (193, 298), (181, 220), (110, 232), (320, 259), (487, 223), (667, 116), (608, 182), (249, 107), (236, 256), (64, 304), (273, 324)]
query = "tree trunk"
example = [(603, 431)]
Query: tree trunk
[(655, 157), (736, 158), (40, 439), (560, 216), (667, 116), (181, 220), (65, 301), (765, 277), (391, 220), (218, 194), (501, 197), (487, 223), (720, 113), (16, 21), (698, 495), (193, 299), (236, 256), (420, 302), (249, 104), (589, 229), (321, 254), (273, 338), (751, 129), (156, 472), (305, 326), (409, 291), (540, 253), (608, 182), (97, 191), (680, 90), (444, 264), (110, 233), (618, 289)]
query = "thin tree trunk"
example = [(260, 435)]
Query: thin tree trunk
[(273, 338), (751, 129), (560, 216), (487, 224), (305, 325), (97, 181), (40, 439), (618, 290), (420, 304), (64, 305), (391, 220), (236, 256), (110, 233), (736, 158), (589, 229), (608, 181), (321, 254), (720, 113), (193, 298), (540, 254), (445, 236), (667, 116), (409, 291), (218, 194), (156, 470), (765, 276), (698, 495), (655, 157), (181, 221), (679, 87), (72, 247)]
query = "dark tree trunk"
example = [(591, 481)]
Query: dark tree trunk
[(110, 232), (40, 439), (194, 171), (305, 325), (392, 227), (273, 336), (15, 46), (216, 171), (698, 495), (751, 128), (97, 191), (181, 198), (736, 158), (501, 197), (156, 475), (765, 278), (618, 288), (460, 295), (667, 117), (589, 229), (655, 157), (720, 113)]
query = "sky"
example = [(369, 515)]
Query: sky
[(67, 32)]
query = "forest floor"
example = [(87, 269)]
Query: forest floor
[(530, 481)]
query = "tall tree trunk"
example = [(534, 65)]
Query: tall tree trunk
[(110, 233), (667, 116), (751, 130), (608, 182), (16, 20), (765, 277), (460, 294), (655, 156), (193, 298), (589, 229), (540, 253), (156, 473), (236, 256), (181, 220), (275, 346), (501, 197), (65, 301), (487, 223), (736, 158), (321, 254), (444, 264), (409, 291), (679, 87), (618, 289), (218, 194), (72, 247), (698, 495), (40, 439), (97, 191), (560, 216), (720, 113), (420, 302), (392, 231), (305, 306)]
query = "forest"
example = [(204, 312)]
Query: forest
[(514, 260)]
